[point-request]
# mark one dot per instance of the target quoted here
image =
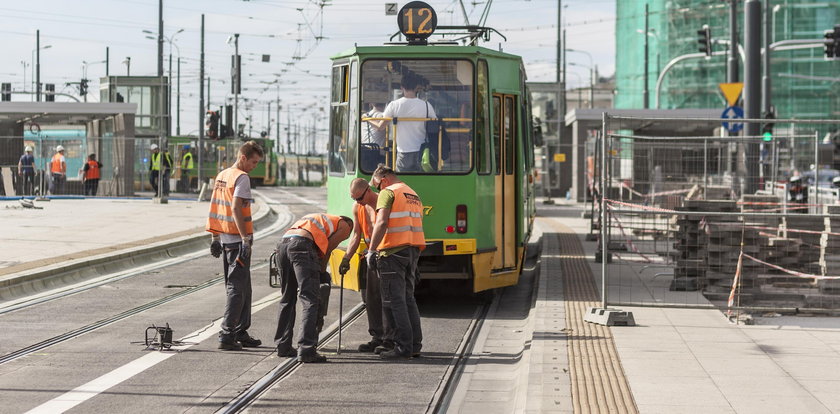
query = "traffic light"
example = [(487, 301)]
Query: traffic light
[(49, 92), (83, 87), (6, 94), (211, 122), (767, 129), (832, 43), (704, 38)]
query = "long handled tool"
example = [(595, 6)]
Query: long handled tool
[(340, 311)]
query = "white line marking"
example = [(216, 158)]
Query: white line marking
[(99, 385)]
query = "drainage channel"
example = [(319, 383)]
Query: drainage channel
[(285, 369)]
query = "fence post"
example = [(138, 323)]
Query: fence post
[(817, 171), (604, 224)]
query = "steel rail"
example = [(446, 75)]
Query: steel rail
[(103, 322), (15, 304), (286, 368), (443, 396)]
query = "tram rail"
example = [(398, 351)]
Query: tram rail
[(443, 396), (286, 368)]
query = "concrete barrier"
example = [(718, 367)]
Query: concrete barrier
[(56, 275)]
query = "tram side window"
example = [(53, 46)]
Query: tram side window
[(339, 120), (510, 133), (482, 121), (353, 117), (497, 133)]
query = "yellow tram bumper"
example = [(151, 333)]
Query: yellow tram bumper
[(484, 276)]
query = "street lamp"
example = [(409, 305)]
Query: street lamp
[(36, 77), (171, 41), (127, 63), (591, 82)]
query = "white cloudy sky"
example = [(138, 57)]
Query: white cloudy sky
[(79, 31)]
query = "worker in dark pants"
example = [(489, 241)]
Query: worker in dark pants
[(302, 256), (382, 335), (394, 250), (230, 223)]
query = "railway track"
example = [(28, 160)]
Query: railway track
[(247, 397), (443, 395)]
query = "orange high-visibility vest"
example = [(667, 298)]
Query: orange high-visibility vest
[(93, 171), (405, 224), (364, 221), (220, 219), (320, 226), (55, 164)]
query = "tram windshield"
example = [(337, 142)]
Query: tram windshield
[(417, 115)]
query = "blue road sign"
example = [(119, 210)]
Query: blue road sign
[(733, 113)]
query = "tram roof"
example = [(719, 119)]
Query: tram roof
[(431, 50)]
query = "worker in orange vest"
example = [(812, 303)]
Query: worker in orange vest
[(394, 251), (58, 171), (233, 234), (364, 216), (92, 175), (302, 256)]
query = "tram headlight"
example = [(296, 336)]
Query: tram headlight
[(461, 218)]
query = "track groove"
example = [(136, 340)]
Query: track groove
[(597, 378)]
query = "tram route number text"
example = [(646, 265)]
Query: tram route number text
[(423, 16), (427, 210)]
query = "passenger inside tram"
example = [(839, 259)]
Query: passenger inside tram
[(446, 85)]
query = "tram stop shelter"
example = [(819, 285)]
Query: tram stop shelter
[(582, 126), (104, 129)]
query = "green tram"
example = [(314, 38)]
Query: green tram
[(479, 203), (220, 154)]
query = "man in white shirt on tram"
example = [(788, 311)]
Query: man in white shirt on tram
[(410, 134)]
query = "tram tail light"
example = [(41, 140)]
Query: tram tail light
[(461, 218)]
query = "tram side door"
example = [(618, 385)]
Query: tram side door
[(504, 137)]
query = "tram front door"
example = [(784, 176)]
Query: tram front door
[(504, 148)]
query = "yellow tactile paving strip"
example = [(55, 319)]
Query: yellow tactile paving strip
[(598, 381)]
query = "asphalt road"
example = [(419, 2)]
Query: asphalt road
[(201, 378)]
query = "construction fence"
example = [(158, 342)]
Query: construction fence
[(742, 223), (127, 161)]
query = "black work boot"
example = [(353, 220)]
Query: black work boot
[(312, 358), (227, 343), (386, 346), (247, 340), (370, 346)]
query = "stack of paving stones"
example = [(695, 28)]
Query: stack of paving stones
[(694, 254), (832, 253)]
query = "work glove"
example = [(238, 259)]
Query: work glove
[(216, 248), (371, 257), (245, 249), (344, 267)]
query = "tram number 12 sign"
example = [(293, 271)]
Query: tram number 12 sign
[(417, 21)]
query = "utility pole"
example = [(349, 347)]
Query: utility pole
[(765, 79), (279, 144), (236, 86), (178, 100), (160, 39), (732, 63), (107, 61), (646, 93), (752, 89), (38, 65), (201, 110)]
